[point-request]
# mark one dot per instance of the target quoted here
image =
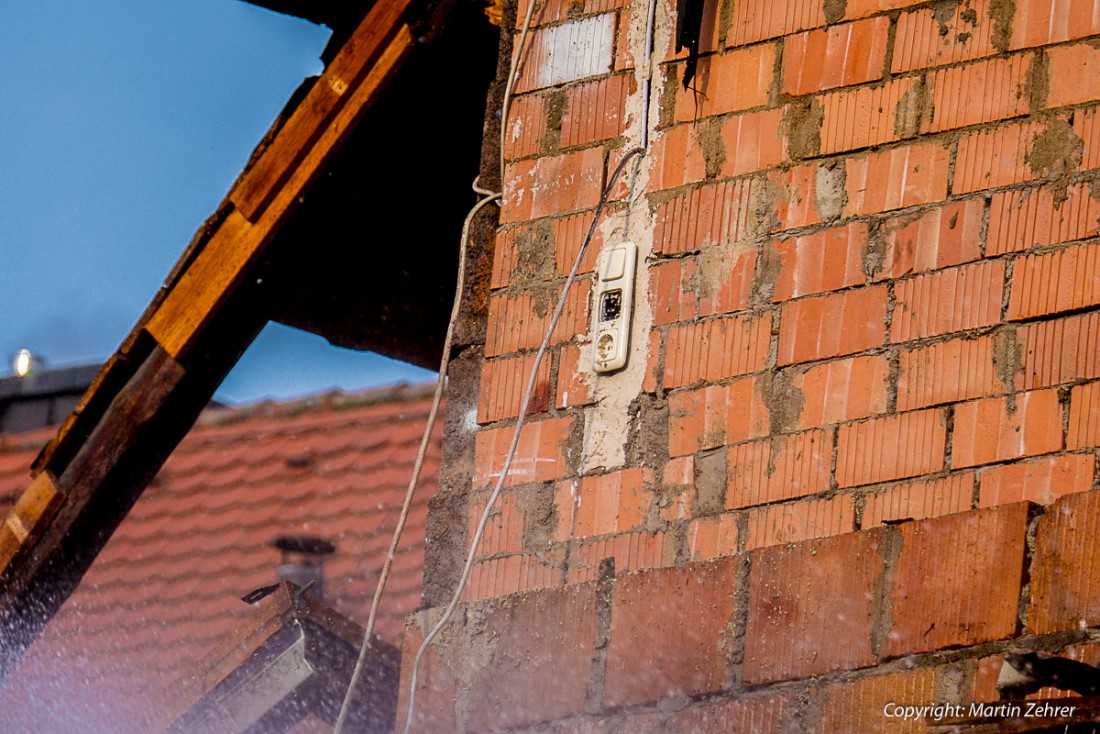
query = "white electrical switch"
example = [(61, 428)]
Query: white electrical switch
[(614, 306)]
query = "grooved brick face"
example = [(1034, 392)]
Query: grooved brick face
[(716, 415), (947, 372), (919, 42), (519, 321), (990, 158), (948, 300), (552, 185), (1084, 416), (503, 382), (1040, 480), (864, 116), (758, 715), (535, 638), (918, 500), (842, 390), (596, 111), (1021, 220), (857, 706), (541, 455), (669, 633), (753, 142), (1062, 280), (758, 20), (715, 282), (991, 429), (778, 468), (896, 178), (1038, 23), (716, 349), (947, 235), (832, 325), (1062, 350), (728, 82), (975, 560), (837, 56), (437, 684), (608, 503), (1065, 585), (979, 92), (797, 521), (812, 608), (891, 447), (824, 261)]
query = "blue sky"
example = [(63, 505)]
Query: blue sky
[(122, 125)]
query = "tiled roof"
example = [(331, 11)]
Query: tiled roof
[(166, 587)]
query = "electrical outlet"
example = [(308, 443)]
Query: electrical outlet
[(614, 306)]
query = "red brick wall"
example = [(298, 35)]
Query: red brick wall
[(869, 293)]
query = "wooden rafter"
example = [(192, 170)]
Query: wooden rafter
[(149, 393)]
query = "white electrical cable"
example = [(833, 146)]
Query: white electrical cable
[(425, 441), (465, 577)]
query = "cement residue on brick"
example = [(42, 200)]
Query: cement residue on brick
[(554, 109), (914, 110), (874, 249), (830, 193), (710, 484), (1037, 81), (709, 136), (834, 10), (784, 401), (801, 126), (540, 515), (764, 278), (647, 443), (1001, 13), (534, 269), (1056, 154), (1008, 362), (714, 265)]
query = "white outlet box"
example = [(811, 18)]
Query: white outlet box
[(614, 306)]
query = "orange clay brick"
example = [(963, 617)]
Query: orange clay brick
[(573, 378), (862, 117), (506, 255), (858, 705), (810, 328), (512, 575), (682, 290), (716, 349), (1084, 416), (631, 551), (842, 390), (759, 20), (948, 300), (987, 159), (793, 193), (947, 372), (503, 382), (1058, 351), (610, 503), (777, 469), (896, 178), (973, 600), (526, 127), (979, 92), (712, 537), (728, 82), (752, 142), (518, 322), (988, 430), (891, 447), (837, 56), (1073, 73), (1065, 585), (1020, 220), (596, 110), (542, 453), (798, 521), (1039, 480), (552, 185), (1038, 23), (947, 235), (569, 233), (677, 158), (718, 213), (817, 263), (1086, 123), (504, 528), (918, 500), (1062, 280), (862, 8), (799, 622), (715, 416), (923, 40)]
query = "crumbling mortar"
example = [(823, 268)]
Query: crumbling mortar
[(739, 622), (883, 601), (1001, 13), (891, 305), (605, 586), (775, 91), (893, 377), (891, 38), (1063, 403), (833, 483), (859, 505), (952, 160)]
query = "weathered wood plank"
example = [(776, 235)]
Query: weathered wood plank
[(258, 185), (28, 519), (237, 244)]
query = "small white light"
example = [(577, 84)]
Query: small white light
[(21, 365)]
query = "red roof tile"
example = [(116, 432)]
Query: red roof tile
[(166, 587)]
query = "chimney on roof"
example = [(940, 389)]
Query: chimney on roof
[(302, 561)]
